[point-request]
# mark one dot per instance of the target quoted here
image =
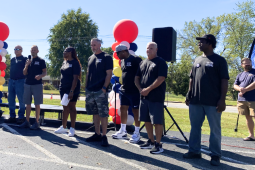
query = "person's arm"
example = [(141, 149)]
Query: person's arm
[(44, 73), (137, 83), (188, 96), (221, 106), (74, 83), (86, 81), (28, 62), (154, 85), (107, 79), (237, 88)]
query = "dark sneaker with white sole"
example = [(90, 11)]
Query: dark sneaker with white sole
[(25, 124), (147, 145), (157, 149), (94, 138), (104, 141), (215, 160), (35, 126), (191, 155)]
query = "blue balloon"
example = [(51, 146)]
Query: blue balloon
[(1, 101), (1, 94), (5, 45), (133, 47), (130, 112), (114, 78), (116, 88)]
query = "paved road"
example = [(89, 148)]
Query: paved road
[(42, 149)]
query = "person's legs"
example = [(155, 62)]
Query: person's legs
[(104, 124), (28, 111), (66, 112), (136, 117), (250, 125), (27, 99), (149, 129), (37, 111), (19, 88), (11, 98), (159, 132), (73, 113)]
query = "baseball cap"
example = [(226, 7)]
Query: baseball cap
[(121, 47), (208, 37)]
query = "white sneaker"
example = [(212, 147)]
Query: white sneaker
[(61, 130), (120, 134), (71, 132), (135, 138)]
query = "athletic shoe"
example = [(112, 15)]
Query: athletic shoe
[(10, 120), (94, 138), (35, 126), (120, 134), (157, 148), (71, 132), (20, 121), (25, 124), (61, 130), (192, 155), (215, 160), (104, 141), (147, 145), (135, 138)]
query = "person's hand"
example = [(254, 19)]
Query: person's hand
[(240, 94), (70, 96), (38, 77), (221, 106), (242, 90), (187, 102), (104, 90), (145, 92), (28, 62)]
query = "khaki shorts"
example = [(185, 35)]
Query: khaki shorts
[(246, 108)]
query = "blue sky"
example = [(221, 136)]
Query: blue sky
[(30, 21)]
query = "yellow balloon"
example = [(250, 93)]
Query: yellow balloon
[(115, 63), (110, 118), (117, 71), (1, 87), (2, 80), (120, 79)]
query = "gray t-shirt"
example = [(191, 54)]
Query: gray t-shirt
[(207, 73)]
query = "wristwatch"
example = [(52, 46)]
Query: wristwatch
[(104, 87), (71, 91)]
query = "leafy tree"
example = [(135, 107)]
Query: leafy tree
[(108, 50), (74, 29), (8, 65)]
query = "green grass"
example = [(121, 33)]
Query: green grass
[(181, 116)]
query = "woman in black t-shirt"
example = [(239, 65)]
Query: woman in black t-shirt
[(70, 85)]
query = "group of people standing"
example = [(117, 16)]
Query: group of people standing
[(143, 88)]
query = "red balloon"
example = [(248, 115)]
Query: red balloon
[(0, 58), (125, 30), (4, 33), (115, 56), (114, 45), (2, 66), (118, 121), (2, 73), (112, 111), (120, 63)]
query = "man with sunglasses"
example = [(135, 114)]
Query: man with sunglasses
[(129, 93), (16, 86)]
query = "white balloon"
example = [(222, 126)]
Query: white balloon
[(3, 59), (126, 44), (111, 96), (130, 120), (119, 112), (1, 44), (3, 52), (131, 52), (117, 103)]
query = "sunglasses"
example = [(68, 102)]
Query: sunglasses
[(16, 49)]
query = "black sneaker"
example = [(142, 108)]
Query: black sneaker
[(191, 155), (104, 141), (94, 138), (215, 161), (20, 121), (157, 149), (10, 120), (35, 126), (25, 124), (147, 145)]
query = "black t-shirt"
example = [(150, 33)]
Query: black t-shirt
[(207, 73), (148, 72), (97, 66), (34, 69), (129, 68), (68, 70), (17, 67)]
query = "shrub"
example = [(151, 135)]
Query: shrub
[(48, 86)]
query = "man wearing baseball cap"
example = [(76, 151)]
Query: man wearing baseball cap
[(129, 94), (206, 96)]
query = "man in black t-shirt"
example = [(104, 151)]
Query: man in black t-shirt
[(16, 86), (206, 96), (128, 93), (150, 81), (98, 77), (34, 70)]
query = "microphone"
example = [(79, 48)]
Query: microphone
[(29, 57)]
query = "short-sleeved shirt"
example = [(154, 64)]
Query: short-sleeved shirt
[(98, 64), (244, 79), (206, 75), (17, 67), (149, 71), (129, 68), (34, 69), (68, 70)]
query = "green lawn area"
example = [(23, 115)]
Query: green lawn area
[(180, 115)]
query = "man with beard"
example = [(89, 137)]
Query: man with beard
[(245, 84), (206, 96)]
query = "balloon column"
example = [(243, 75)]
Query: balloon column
[(4, 33), (125, 32)]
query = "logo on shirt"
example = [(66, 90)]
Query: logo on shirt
[(250, 75), (198, 65), (209, 64), (37, 63), (99, 60), (128, 63), (153, 65), (70, 65)]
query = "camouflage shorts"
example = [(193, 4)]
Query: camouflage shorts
[(97, 103)]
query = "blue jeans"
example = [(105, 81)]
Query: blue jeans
[(197, 116), (16, 87)]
